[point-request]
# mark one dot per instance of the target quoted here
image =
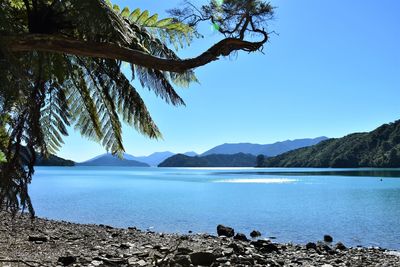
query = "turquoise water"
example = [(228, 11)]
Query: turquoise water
[(299, 205)]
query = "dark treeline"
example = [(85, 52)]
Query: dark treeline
[(214, 160)]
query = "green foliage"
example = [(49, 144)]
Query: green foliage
[(52, 160), (2, 157), (3, 138), (19, 4), (232, 18), (214, 160), (42, 94), (176, 33), (260, 160), (379, 149)]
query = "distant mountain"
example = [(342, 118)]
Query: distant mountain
[(190, 154), (153, 159), (268, 150), (379, 148), (53, 160), (110, 160), (214, 160), (156, 158)]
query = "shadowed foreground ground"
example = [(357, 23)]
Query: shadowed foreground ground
[(40, 242)]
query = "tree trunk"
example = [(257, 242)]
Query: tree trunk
[(58, 44)]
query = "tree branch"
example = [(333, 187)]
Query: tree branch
[(59, 44)]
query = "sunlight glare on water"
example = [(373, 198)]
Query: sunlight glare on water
[(258, 181)]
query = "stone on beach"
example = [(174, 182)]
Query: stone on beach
[(202, 258), (311, 245), (241, 237), (340, 246), (328, 238), (67, 260), (255, 233), (37, 238), (225, 231), (72, 244)]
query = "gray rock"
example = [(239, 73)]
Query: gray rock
[(132, 261), (227, 251), (270, 248), (141, 263), (202, 258), (125, 246), (241, 237), (265, 246), (225, 231), (259, 243), (255, 234), (340, 246), (110, 260), (184, 250), (311, 245), (328, 238), (164, 249), (237, 248), (182, 260), (67, 260), (38, 238), (96, 263), (393, 253), (222, 259), (323, 247), (93, 246)]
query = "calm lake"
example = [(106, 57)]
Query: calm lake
[(357, 207)]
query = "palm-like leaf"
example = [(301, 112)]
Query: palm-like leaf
[(55, 117), (44, 93)]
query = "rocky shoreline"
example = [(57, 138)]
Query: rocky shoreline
[(42, 242)]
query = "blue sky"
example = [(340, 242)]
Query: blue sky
[(334, 69)]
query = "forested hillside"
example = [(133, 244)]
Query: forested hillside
[(215, 160), (379, 148)]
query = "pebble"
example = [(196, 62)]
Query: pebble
[(141, 263), (90, 245)]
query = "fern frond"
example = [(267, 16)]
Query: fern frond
[(157, 81), (83, 108), (54, 119), (111, 126), (176, 33), (96, 19), (128, 101)]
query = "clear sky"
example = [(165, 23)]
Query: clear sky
[(334, 69)]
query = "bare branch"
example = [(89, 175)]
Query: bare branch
[(58, 44)]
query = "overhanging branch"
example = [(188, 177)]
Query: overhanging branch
[(59, 44)]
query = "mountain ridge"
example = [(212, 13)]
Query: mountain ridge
[(152, 160), (379, 148), (108, 159), (158, 158), (53, 160), (268, 150)]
